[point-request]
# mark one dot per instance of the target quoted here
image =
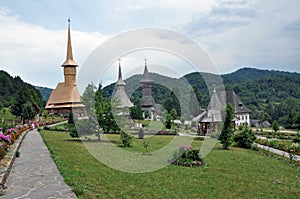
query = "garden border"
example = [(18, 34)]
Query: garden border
[(9, 160), (276, 151)]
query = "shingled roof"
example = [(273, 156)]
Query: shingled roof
[(217, 103), (64, 96), (146, 78), (234, 100), (120, 92)]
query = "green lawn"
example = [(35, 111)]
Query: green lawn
[(235, 173), (7, 117)]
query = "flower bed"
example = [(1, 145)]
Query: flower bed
[(8, 137), (166, 132), (280, 145), (278, 135), (187, 156)]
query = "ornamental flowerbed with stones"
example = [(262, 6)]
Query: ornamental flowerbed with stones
[(286, 146), (9, 137), (187, 156)]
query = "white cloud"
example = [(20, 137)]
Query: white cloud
[(234, 33), (240, 34)]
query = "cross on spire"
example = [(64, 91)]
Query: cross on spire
[(69, 59), (120, 72)]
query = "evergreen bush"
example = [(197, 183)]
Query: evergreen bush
[(244, 138), (126, 139)]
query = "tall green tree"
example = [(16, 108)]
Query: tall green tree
[(104, 112), (27, 112), (22, 107), (175, 98), (173, 114), (227, 131), (90, 126), (136, 111), (167, 104), (88, 98)]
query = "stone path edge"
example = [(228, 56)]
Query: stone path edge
[(11, 156), (276, 151)]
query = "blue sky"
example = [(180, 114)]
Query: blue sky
[(258, 33)]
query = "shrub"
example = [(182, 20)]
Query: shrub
[(296, 139), (244, 138), (126, 139), (254, 148), (18, 154), (74, 133), (146, 146)]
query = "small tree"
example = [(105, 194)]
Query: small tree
[(126, 139), (227, 131), (173, 114), (275, 126), (168, 122)]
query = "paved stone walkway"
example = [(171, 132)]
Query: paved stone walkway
[(34, 174)]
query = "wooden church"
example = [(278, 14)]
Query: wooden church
[(65, 98)]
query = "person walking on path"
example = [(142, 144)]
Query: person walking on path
[(34, 174)]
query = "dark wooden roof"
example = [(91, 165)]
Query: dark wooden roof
[(234, 100), (146, 78)]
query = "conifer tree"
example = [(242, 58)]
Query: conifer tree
[(227, 131)]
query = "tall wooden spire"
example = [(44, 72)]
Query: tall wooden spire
[(69, 59), (146, 77), (65, 98), (148, 103), (120, 93), (120, 80)]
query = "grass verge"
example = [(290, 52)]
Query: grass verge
[(234, 173)]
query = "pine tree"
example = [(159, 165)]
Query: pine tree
[(227, 131)]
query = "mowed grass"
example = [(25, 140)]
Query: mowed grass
[(234, 173)]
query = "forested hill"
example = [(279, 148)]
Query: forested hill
[(271, 95), (14, 92), (246, 74), (45, 92)]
